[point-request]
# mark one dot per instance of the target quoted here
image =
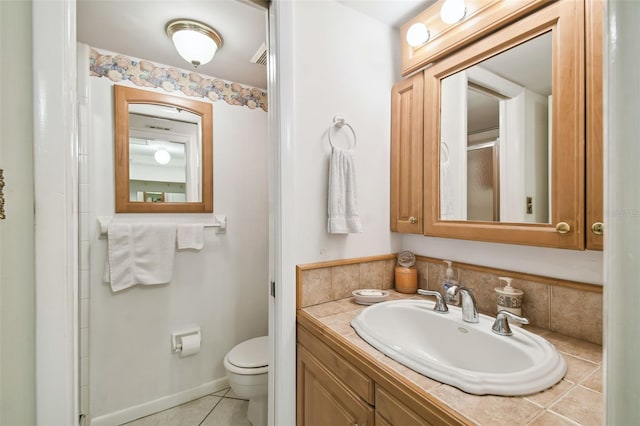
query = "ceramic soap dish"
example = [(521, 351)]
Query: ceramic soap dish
[(369, 296)]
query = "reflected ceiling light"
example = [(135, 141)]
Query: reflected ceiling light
[(194, 41), (418, 34), (453, 11), (162, 156)]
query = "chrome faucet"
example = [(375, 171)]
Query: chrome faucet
[(440, 306), (467, 303), (501, 324)]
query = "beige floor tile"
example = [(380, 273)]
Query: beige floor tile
[(594, 381), (232, 394), (576, 347), (581, 405), (361, 344), (324, 309), (188, 414), (221, 392), (578, 369), (551, 395), (229, 412), (488, 409), (341, 323), (551, 419)]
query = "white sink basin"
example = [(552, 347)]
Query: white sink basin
[(468, 356)]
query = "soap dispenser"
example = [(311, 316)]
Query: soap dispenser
[(449, 282), (509, 298)]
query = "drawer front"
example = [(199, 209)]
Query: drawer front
[(395, 413), (358, 382), (323, 399)]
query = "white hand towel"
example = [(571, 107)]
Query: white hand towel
[(140, 254), (190, 236), (343, 201)]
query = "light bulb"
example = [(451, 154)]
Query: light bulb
[(194, 46), (453, 11), (418, 34), (162, 156)]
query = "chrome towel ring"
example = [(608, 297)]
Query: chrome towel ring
[(340, 122)]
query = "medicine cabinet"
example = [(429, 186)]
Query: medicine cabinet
[(509, 122)]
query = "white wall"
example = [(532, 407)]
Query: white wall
[(17, 278), (342, 67), (222, 288)]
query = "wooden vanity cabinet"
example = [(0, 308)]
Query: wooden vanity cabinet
[(407, 103), (333, 390)]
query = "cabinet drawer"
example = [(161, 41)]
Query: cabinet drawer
[(358, 382), (324, 399), (390, 411)]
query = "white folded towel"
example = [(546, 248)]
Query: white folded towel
[(190, 236), (343, 200), (140, 254)]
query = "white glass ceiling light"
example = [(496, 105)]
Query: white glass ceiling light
[(194, 41), (453, 11), (162, 156), (418, 34)]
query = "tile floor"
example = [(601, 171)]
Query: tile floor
[(222, 408)]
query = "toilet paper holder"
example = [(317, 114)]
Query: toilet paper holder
[(177, 336)]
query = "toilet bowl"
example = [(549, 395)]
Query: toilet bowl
[(247, 370)]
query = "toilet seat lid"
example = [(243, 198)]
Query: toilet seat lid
[(252, 353)]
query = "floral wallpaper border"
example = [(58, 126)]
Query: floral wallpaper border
[(143, 73)]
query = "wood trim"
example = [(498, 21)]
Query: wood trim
[(123, 96), (341, 262), (594, 24), (483, 17), (407, 103), (414, 397), (566, 19)]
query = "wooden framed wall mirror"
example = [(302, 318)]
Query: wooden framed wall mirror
[(504, 134), (163, 153)]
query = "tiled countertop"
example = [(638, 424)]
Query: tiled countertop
[(577, 399)]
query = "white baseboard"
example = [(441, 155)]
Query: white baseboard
[(157, 405)]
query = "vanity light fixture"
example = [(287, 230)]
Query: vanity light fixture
[(162, 156), (194, 41), (417, 34), (453, 11)]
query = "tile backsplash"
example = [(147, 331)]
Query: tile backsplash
[(566, 307)]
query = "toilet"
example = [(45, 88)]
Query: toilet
[(247, 367)]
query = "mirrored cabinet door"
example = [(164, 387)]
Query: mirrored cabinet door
[(531, 75)]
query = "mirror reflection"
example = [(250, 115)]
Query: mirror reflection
[(163, 153), (164, 160), (496, 137)]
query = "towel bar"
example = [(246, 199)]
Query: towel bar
[(219, 222)]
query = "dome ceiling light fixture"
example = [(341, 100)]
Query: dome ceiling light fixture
[(162, 156), (195, 42)]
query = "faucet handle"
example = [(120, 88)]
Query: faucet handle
[(501, 324), (441, 306)]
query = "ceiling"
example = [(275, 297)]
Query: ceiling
[(391, 12), (137, 28)]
